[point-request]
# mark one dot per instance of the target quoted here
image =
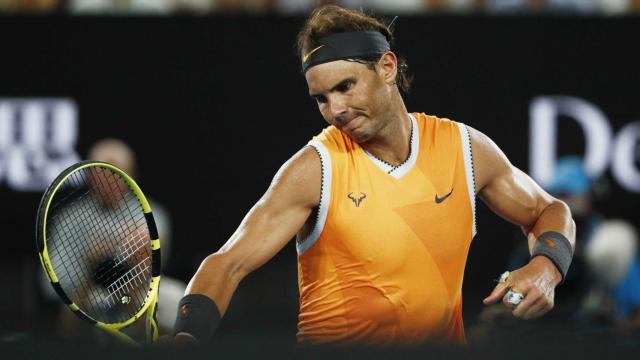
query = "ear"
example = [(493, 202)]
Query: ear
[(388, 65)]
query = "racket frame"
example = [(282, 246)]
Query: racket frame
[(151, 299)]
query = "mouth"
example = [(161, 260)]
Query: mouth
[(350, 124)]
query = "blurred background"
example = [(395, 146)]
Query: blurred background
[(203, 100)]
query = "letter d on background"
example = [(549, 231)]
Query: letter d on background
[(543, 132)]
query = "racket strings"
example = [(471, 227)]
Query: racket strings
[(124, 284), (100, 244), (71, 248), (134, 244), (111, 185)]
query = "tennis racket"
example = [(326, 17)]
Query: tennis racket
[(98, 244)]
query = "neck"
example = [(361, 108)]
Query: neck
[(392, 143)]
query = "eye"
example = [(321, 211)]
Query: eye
[(320, 99), (345, 86)]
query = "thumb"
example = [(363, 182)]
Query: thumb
[(497, 294)]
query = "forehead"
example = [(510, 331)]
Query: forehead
[(324, 76)]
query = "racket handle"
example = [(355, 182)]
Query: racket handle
[(123, 338), (152, 323)]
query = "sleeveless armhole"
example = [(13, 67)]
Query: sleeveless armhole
[(325, 196), (468, 167)]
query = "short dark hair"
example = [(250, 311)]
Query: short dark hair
[(331, 19)]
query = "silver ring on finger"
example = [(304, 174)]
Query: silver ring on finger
[(514, 297)]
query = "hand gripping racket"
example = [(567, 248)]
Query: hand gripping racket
[(98, 244)]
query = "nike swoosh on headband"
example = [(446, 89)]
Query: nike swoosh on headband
[(306, 57)]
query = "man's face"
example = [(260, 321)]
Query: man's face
[(351, 96)]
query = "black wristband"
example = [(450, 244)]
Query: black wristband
[(557, 248), (198, 316)]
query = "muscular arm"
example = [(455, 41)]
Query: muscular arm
[(265, 230), (513, 195)]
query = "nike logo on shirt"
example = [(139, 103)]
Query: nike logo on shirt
[(441, 199)]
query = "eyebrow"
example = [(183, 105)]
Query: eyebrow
[(336, 86)]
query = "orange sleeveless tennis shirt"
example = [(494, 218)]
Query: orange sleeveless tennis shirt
[(385, 259)]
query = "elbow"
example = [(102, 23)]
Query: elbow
[(567, 211), (564, 208), (569, 224)]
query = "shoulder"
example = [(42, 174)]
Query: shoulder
[(302, 166), (432, 119), (434, 122), (439, 131), (483, 146), (489, 162), (299, 178)]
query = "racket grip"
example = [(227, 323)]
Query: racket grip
[(152, 330)]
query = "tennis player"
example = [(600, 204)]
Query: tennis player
[(383, 206)]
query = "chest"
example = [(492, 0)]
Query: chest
[(391, 222)]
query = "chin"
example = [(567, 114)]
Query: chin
[(359, 137)]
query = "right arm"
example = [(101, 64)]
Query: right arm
[(265, 230)]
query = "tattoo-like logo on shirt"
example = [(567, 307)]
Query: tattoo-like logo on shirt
[(358, 200)]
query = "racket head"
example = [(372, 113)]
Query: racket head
[(98, 244)]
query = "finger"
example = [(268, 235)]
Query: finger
[(497, 294), (535, 311), (539, 308), (529, 300)]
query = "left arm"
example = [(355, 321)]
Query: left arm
[(513, 195)]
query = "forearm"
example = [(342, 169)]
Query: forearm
[(555, 216), (206, 299), (217, 279)]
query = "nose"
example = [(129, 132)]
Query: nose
[(337, 106)]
